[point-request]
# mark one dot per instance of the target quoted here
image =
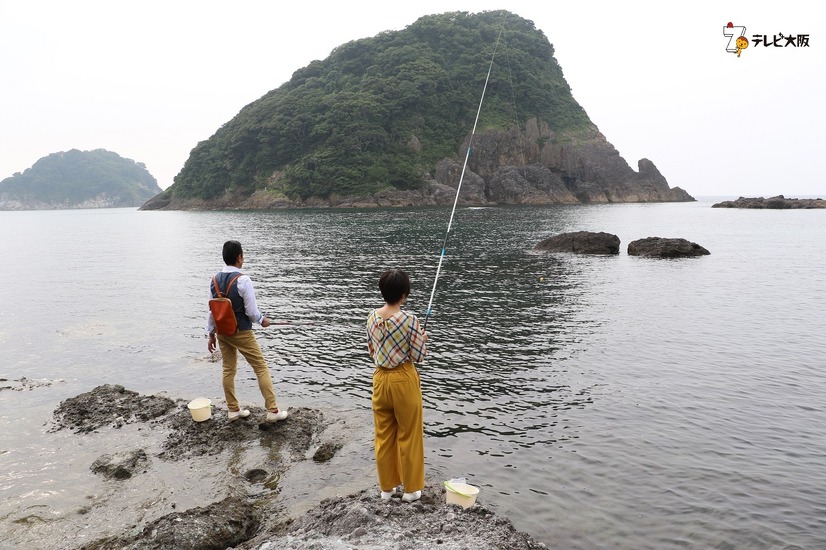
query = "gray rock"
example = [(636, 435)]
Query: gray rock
[(584, 169), (218, 526), (326, 451), (659, 247), (528, 185), (366, 521), (581, 242), (109, 405), (449, 172), (120, 465)]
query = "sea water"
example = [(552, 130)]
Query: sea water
[(598, 401)]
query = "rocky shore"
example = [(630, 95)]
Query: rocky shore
[(252, 514)]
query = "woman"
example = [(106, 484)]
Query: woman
[(396, 341)]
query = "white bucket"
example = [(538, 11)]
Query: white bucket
[(201, 409), (460, 493)]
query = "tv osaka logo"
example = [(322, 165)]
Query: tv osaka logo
[(738, 42)]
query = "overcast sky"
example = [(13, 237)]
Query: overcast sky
[(150, 79)]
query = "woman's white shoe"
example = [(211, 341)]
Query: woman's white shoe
[(412, 497), (387, 495)]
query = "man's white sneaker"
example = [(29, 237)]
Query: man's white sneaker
[(235, 415), (412, 497), (276, 416)]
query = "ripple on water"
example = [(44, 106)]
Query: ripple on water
[(601, 402)]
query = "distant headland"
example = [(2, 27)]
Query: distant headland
[(79, 179)]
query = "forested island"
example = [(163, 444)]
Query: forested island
[(79, 179), (387, 121)]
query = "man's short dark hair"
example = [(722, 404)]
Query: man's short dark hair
[(394, 285), (232, 249)]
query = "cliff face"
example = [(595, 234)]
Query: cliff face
[(536, 166), (528, 166)]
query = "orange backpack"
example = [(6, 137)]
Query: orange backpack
[(221, 308)]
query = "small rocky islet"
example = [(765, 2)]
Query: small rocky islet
[(601, 243), (778, 202)]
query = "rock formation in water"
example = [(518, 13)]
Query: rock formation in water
[(777, 203), (120, 465), (659, 247), (581, 242)]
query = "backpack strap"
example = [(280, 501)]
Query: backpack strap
[(218, 288), (231, 282), (215, 286)]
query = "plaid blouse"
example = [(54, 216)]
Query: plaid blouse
[(396, 340)]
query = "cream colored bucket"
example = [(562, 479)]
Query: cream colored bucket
[(460, 493), (201, 409)]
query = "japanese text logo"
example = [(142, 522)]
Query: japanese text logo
[(737, 40)]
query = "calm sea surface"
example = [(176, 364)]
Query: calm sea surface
[(599, 402)]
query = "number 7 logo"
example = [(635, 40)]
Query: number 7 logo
[(733, 32)]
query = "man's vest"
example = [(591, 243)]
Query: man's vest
[(241, 318)]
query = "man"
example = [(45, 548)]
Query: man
[(242, 296)]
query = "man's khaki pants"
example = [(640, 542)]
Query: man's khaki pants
[(244, 341)]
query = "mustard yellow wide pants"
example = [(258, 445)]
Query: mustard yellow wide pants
[(244, 341), (397, 418)]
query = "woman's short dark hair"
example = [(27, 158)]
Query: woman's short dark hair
[(231, 251), (394, 285)]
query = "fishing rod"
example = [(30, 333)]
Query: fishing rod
[(461, 178)]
